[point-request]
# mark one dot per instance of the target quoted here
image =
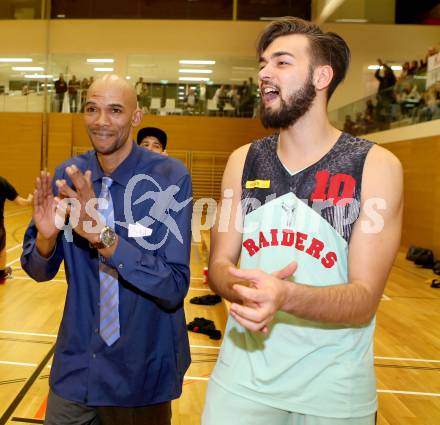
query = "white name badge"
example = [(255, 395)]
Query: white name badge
[(138, 231)]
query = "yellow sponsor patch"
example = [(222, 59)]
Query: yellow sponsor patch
[(262, 184)]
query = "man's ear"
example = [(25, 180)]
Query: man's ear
[(323, 76), (136, 118)]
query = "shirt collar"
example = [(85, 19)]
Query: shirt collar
[(125, 170)]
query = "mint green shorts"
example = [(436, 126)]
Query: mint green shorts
[(225, 408)]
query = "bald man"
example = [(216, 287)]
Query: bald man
[(122, 347)]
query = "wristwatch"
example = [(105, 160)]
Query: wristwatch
[(107, 237)]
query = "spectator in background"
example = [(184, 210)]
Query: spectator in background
[(246, 100), (385, 76), (405, 69), (254, 92), (84, 87), (190, 101), (413, 68), (144, 102), (234, 98), (152, 138), (74, 86), (243, 93), (369, 108), (139, 86), (201, 95), (7, 192), (369, 116), (60, 90), (429, 105), (423, 65), (221, 97), (385, 93), (349, 125)]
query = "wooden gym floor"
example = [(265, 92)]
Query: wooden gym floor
[(407, 341)]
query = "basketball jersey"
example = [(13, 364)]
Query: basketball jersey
[(301, 365)]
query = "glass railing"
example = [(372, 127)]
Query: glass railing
[(231, 102), (407, 103)]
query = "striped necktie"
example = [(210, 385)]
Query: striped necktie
[(108, 277)]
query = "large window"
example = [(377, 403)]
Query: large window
[(142, 9)]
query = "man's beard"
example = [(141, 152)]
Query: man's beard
[(291, 110)]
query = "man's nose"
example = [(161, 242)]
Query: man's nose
[(264, 73), (103, 118)]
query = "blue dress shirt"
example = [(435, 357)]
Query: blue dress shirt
[(147, 364)]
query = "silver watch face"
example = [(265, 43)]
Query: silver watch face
[(108, 236)]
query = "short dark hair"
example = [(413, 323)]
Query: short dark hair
[(326, 48)]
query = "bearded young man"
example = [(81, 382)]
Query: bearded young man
[(314, 250)]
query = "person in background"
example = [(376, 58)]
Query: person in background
[(201, 96), (73, 88), (7, 192), (152, 138), (60, 91)]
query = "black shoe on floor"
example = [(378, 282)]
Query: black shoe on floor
[(204, 326), (206, 300), (435, 283)]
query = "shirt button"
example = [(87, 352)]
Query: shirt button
[(94, 355), (121, 266)]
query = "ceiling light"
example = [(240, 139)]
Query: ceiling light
[(61, 16), (27, 68), (35, 76), (193, 79), (195, 71), (393, 67), (164, 81), (128, 77), (100, 60), (15, 60), (103, 69), (196, 62), (352, 21)]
